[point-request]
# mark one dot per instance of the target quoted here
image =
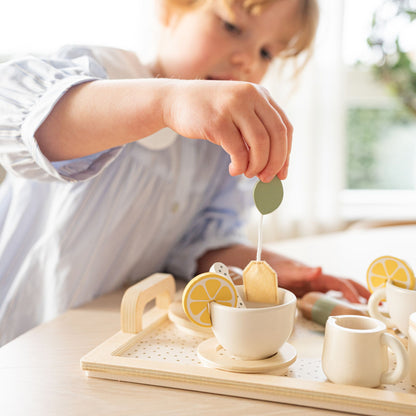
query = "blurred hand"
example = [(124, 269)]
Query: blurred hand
[(301, 279)]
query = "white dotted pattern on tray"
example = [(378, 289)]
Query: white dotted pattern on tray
[(169, 343)]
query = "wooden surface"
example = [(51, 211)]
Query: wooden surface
[(40, 372), (162, 354), (159, 287), (40, 375)]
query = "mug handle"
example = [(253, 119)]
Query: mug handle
[(373, 309), (394, 376)]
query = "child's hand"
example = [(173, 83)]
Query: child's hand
[(240, 117), (301, 279)]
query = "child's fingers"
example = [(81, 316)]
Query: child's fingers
[(288, 124), (278, 153), (266, 135), (236, 147), (285, 119), (326, 282), (257, 138), (363, 291), (289, 135)]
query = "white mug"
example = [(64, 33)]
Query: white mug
[(355, 352), (257, 331), (401, 303), (412, 347)]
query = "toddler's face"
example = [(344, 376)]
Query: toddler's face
[(211, 43)]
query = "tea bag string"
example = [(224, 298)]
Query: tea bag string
[(259, 238)]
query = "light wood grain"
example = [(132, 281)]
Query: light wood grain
[(40, 375), (40, 372), (112, 360), (159, 286)]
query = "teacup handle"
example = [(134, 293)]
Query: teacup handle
[(373, 309), (394, 376)]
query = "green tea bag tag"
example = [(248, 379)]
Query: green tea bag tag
[(268, 196)]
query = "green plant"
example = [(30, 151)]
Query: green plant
[(396, 66), (368, 131)]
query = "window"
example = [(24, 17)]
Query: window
[(44, 26), (380, 131)]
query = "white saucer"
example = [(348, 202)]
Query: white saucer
[(177, 315), (212, 354)]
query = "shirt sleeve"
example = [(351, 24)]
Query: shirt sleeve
[(29, 89), (220, 224)]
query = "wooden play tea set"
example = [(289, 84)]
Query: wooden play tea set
[(251, 341)]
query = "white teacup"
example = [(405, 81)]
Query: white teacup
[(400, 303), (257, 331), (412, 347), (355, 352)]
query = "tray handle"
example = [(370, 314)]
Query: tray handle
[(159, 285)]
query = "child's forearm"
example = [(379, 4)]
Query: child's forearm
[(99, 115)]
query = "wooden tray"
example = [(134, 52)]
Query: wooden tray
[(151, 349)]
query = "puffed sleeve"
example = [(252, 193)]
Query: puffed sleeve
[(29, 89), (220, 223)]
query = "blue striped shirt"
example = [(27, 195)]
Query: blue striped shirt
[(73, 230)]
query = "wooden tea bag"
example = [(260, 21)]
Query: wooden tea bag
[(260, 280), (260, 283)]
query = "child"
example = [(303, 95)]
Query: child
[(106, 185)]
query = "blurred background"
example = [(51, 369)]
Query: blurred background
[(353, 107)]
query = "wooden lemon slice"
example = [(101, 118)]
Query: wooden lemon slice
[(204, 289), (386, 268)]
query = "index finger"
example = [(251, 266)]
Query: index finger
[(285, 119), (326, 282), (362, 290), (233, 143), (289, 128)]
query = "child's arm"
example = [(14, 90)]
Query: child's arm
[(240, 117), (292, 274), (99, 115)]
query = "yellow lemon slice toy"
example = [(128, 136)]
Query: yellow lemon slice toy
[(387, 268), (201, 291)]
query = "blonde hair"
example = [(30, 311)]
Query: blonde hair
[(300, 45)]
